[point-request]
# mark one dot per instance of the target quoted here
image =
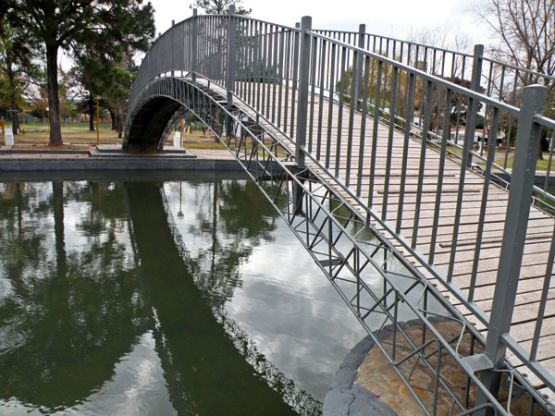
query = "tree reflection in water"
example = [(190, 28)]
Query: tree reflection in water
[(233, 216), (69, 318), (81, 282)]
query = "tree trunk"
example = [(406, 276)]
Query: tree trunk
[(91, 112), (13, 103), (15, 120), (53, 97), (58, 208), (119, 117), (113, 116)]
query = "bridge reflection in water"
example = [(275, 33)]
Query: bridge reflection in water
[(134, 299)]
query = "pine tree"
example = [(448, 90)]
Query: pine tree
[(73, 24)]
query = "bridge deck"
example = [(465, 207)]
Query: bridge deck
[(540, 227)]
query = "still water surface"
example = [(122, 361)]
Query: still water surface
[(187, 296)]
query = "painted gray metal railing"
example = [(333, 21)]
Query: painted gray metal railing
[(430, 103), (498, 79), (479, 72), (333, 99)]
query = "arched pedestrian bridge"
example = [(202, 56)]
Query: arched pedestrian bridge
[(409, 173)]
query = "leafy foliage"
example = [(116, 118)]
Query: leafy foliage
[(17, 68), (221, 6), (109, 27)]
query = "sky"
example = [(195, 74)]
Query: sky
[(396, 18)]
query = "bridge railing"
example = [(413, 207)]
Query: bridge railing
[(445, 116), (442, 62), (353, 114), (497, 79), (494, 78)]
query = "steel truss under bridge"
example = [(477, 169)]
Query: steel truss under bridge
[(281, 100)]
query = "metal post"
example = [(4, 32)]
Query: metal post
[(477, 62), (231, 62), (304, 71), (173, 42), (302, 61), (97, 120), (361, 35), (475, 86), (514, 234), (358, 77), (231, 53), (194, 46)]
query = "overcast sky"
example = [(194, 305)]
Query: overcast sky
[(397, 18)]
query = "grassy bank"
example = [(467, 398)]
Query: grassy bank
[(77, 135)]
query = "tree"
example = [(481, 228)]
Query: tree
[(93, 70), (121, 78), (36, 98), (108, 72), (38, 102), (90, 72), (221, 6), (108, 75), (525, 30), (69, 24), (17, 52)]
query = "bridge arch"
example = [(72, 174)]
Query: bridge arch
[(160, 100)]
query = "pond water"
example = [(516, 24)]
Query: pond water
[(160, 296)]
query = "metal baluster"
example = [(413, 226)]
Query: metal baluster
[(275, 66), (295, 68), (330, 105), (543, 301), (281, 70), (549, 162), (340, 110), (315, 49), (441, 169), (288, 52), (510, 124), (362, 141), (323, 47), (304, 72), (483, 205), (392, 109), (474, 85), (421, 168), (352, 108), (409, 115), (376, 121)]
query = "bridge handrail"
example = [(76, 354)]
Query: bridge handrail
[(319, 34), (334, 34), (426, 75), (542, 193)]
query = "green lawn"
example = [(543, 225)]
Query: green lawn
[(541, 165), (500, 158), (77, 135), (72, 134)]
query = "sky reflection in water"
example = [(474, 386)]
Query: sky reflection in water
[(182, 297)]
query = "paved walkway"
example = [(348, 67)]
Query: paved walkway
[(103, 150)]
